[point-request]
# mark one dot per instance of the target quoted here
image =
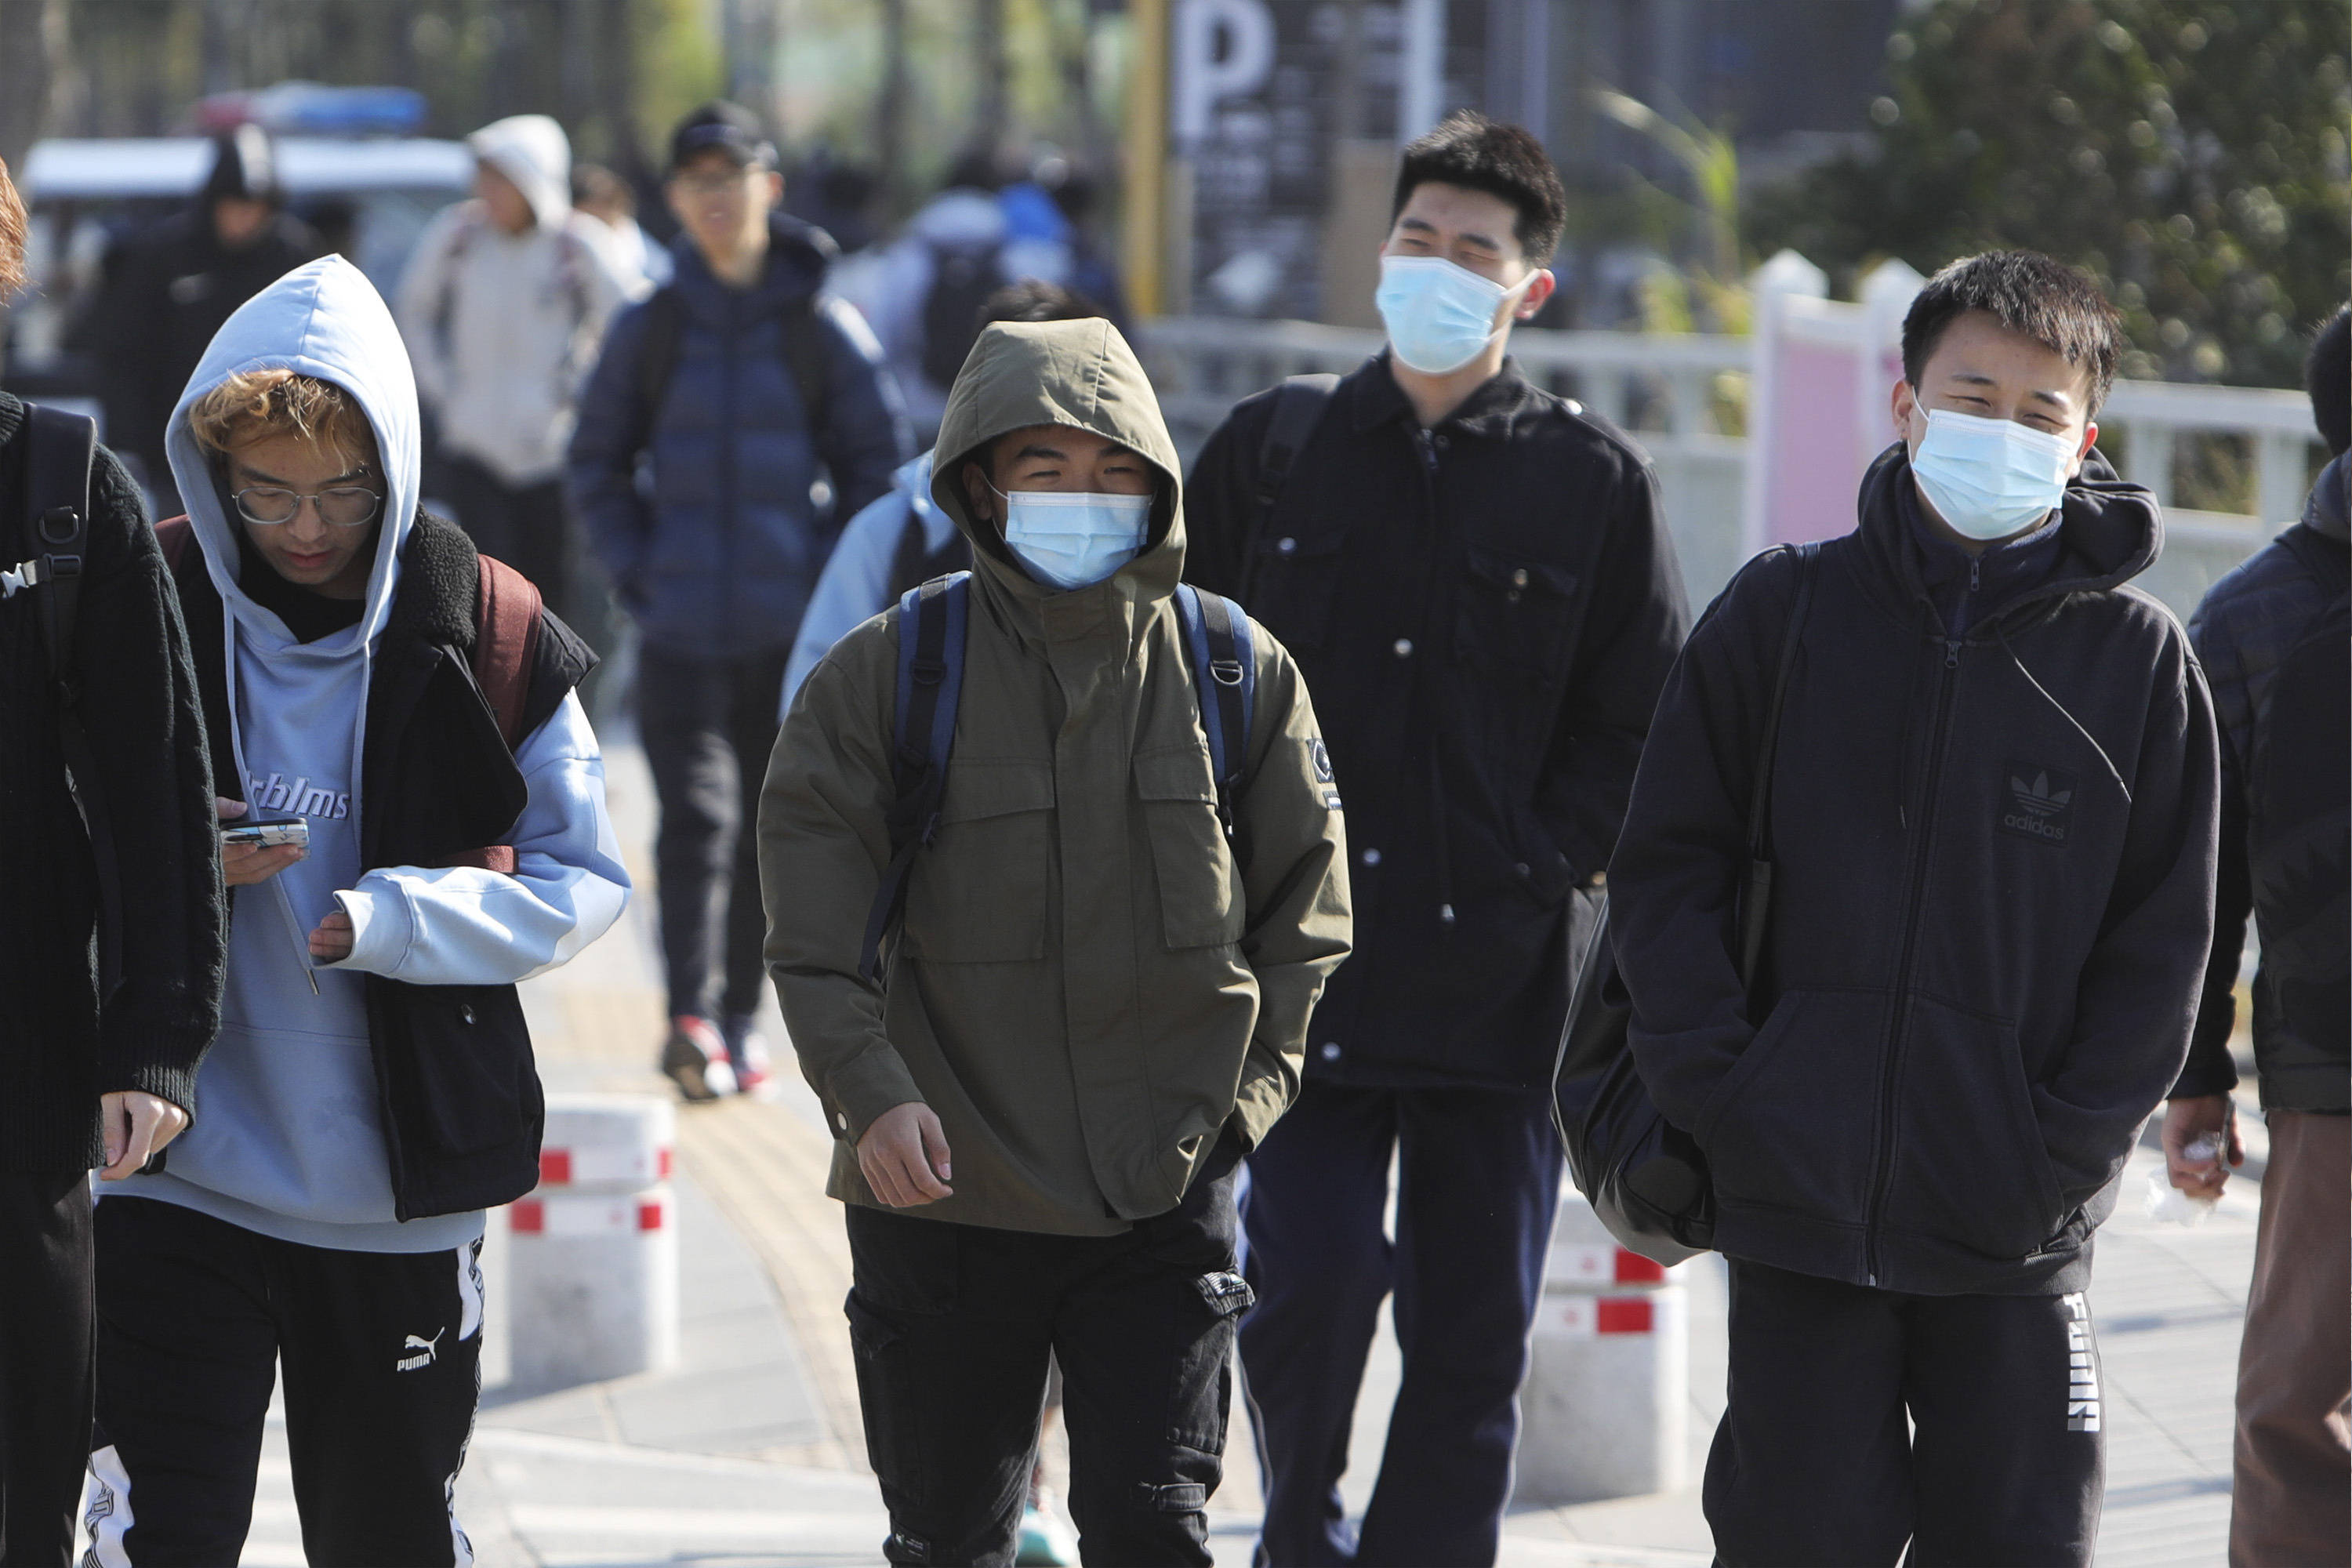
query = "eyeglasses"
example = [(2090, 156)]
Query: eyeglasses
[(344, 506)]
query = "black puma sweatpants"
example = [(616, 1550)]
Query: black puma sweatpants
[(1861, 1419), (381, 1352)]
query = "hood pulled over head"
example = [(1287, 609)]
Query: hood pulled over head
[(1078, 374), (323, 320), (533, 151)]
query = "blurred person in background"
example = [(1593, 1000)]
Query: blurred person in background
[(924, 291), (503, 304), (1481, 590), (744, 381), (107, 1004), (2275, 638), (641, 263), (902, 540), (169, 286)]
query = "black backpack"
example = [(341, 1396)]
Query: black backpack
[(1646, 1177), (962, 278), (60, 449), (933, 622)]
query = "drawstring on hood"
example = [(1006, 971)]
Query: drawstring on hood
[(531, 150)]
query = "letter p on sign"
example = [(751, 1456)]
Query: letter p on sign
[(1225, 48)]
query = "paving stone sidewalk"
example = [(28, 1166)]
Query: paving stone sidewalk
[(750, 1454)]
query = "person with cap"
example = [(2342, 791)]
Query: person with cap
[(1042, 1081), (504, 302), (96, 1069), (2273, 638), (739, 385), (168, 286)]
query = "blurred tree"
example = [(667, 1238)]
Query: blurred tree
[(2190, 154)]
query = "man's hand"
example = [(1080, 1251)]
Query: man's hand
[(331, 942), (137, 1127), (2212, 1118), (900, 1153), (242, 864)]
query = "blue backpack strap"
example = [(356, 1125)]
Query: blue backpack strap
[(932, 620), (1224, 675)]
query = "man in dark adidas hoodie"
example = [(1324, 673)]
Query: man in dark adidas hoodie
[(1992, 824)]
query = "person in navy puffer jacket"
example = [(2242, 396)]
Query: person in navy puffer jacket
[(743, 383)]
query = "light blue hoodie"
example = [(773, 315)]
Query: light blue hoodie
[(290, 1143), (855, 587)]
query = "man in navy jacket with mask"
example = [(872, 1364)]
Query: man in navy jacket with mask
[(1992, 828)]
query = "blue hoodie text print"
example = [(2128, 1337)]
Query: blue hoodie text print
[(301, 797)]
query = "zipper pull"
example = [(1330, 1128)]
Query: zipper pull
[(1428, 449), (1976, 570), (1951, 653)]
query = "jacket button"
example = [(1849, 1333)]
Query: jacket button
[(1404, 647), (1331, 1050), (1521, 871), (841, 1119), (1372, 857), (466, 1014), (1441, 440), (1519, 578), (1285, 546)]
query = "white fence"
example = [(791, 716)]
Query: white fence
[(1675, 393)]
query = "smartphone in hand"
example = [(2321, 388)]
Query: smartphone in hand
[(291, 830)]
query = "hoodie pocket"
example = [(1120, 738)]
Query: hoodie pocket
[(1201, 904), (978, 890), (1970, 1165), (1791, 1125)]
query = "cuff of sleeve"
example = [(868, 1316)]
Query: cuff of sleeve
[(167, 1074), (862, 1089), (381, 929), (1258, 1105)]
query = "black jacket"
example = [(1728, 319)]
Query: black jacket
[(1993, 902), (168, 289), (459, 1094), (1485, 614), (2273, 636), (58, 1052)]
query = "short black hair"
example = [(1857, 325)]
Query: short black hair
[(1034, 299), (1482, 154), (2026, 291), (2327, 376)]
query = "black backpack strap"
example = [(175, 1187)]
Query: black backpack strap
[(1756, 897), (62, 448), (1225, 675), (932, 625), (811, 367), (1298, 406), (657, 361)]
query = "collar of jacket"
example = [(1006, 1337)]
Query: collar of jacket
[(2323, 511), (799, 256), (2109, 532), (1081, 374), (1376, 399)]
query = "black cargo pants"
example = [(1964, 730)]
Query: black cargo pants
[(954, 1327)]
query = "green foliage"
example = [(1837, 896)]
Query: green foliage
[(2191, 154)]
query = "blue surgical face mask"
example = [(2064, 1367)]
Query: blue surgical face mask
[(1073, 539), (1990, 479), (1440, 316)]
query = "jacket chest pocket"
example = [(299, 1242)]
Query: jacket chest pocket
[(1515, 615), (468, 1066), (1201, 903), (979, 889), (1294, 584)]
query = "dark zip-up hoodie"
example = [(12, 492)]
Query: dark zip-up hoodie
[(1994, 876)]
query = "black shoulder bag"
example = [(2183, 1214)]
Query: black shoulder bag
[(1643, 1175)]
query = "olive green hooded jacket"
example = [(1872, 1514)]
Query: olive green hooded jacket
[(1092, 981)]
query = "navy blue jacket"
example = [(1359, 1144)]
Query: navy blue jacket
[(2272, 636), (1486, 613), (1992, 900), (719, 559)]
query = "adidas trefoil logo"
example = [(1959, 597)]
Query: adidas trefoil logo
[(2040, 802), (2038, 797)]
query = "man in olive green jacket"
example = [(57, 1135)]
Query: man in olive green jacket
[(1098, 1001)]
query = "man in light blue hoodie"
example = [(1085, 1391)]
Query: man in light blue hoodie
[(372, 1088)]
